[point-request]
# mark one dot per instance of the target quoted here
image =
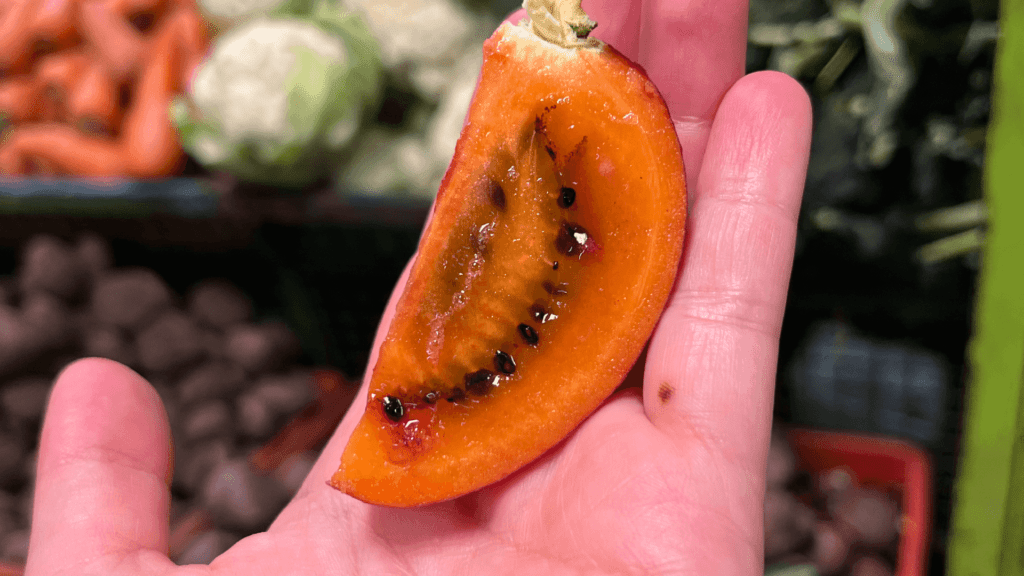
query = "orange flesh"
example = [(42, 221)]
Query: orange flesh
[(544, 119)]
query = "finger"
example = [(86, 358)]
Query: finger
[(693, 50), (711, 363), (104, 469), (618, 24)]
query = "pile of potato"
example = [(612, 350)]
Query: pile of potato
[(68, 299), (827, 520), (229, 383)]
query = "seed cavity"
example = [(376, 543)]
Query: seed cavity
[(572, 239), (567, 197), (393, 408), (431, 397), (481, 381), (504, 362), (529, 334)]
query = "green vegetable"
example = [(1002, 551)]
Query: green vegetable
[(280, 98)]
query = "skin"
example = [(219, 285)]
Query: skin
[(666, 478)]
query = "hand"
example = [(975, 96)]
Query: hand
[(667, 479)]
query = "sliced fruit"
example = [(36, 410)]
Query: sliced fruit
[(551, 251)]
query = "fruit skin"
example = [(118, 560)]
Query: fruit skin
[(631, 197)]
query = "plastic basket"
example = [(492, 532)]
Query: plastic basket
[(883, 463)]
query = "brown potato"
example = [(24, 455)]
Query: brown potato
[(48, 264), (831, 548), (171, 342), (48, 320), (787, 523), (219, 304), (130, 298), (871, 565), (781, 460), (261, 347), (108, 342), (12, 329), (94, 254), (871, 515), (8, 288)]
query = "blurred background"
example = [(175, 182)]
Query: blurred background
[(273, 164)]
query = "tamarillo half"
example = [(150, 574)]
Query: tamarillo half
[(549, 256)]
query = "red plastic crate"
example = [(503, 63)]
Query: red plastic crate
[(883, 463)]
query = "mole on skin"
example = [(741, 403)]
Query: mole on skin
[(665, 392)]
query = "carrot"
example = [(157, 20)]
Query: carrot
[(11, 162), (117, 42), (194, 38), (57, 74), (149, 140), (16, 38), (60, 149), (93, 105), (144, 15), (19, 100), (53, 25), (126, 8)]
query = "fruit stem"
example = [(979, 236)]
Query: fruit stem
[(561, 22)]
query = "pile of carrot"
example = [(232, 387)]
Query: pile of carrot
[(85, 85)]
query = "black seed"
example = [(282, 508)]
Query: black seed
[(554, 265), (560, 289), (529, 334), (497, 194), (537, 312), (430, 397), (567, 198), (572, 239), (456, 394), (504, 363), (480, 382), (393, 408), (540, 314)]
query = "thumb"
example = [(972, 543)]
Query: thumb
[(101, 497)]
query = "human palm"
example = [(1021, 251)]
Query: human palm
[(666, 478)]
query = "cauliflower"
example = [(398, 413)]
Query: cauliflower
[(423, 39), (389, 162), (280, 98), (414, 162), (227, 13)]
